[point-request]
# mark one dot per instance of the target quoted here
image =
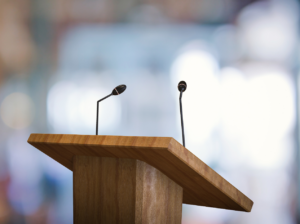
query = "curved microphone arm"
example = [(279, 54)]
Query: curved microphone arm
[(98, 111), (182, 128)]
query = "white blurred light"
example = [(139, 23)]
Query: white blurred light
[(72, 108), (270, 104), (232, 101), (259, 113), (17, 110), (268, 30), (200, 101), (271, 116)]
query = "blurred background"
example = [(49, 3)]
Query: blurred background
[(240, 60)]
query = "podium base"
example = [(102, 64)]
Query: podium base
[(123, 191)]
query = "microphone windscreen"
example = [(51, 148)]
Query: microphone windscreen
[(119, 89), (182, 86)]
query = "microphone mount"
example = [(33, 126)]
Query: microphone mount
[(182, 87), (116, 91)]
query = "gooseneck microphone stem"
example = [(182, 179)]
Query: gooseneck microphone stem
[(182, 128), (98, 111)]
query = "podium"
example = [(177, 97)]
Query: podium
[(136, 180)]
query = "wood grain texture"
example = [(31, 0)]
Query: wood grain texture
[(201, 184), (123, 191)]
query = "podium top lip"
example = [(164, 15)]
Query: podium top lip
[(201, 184)]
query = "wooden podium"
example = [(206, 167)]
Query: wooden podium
[(133, 180)]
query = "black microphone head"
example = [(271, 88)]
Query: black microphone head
[(182, 86), (119, 89)]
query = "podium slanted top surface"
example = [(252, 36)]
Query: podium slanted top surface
[(201, 185)]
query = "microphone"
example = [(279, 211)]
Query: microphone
[(182, 87), (116, 91)]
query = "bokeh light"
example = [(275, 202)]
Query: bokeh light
[(260, 112), (260, 25), (17, 110)]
